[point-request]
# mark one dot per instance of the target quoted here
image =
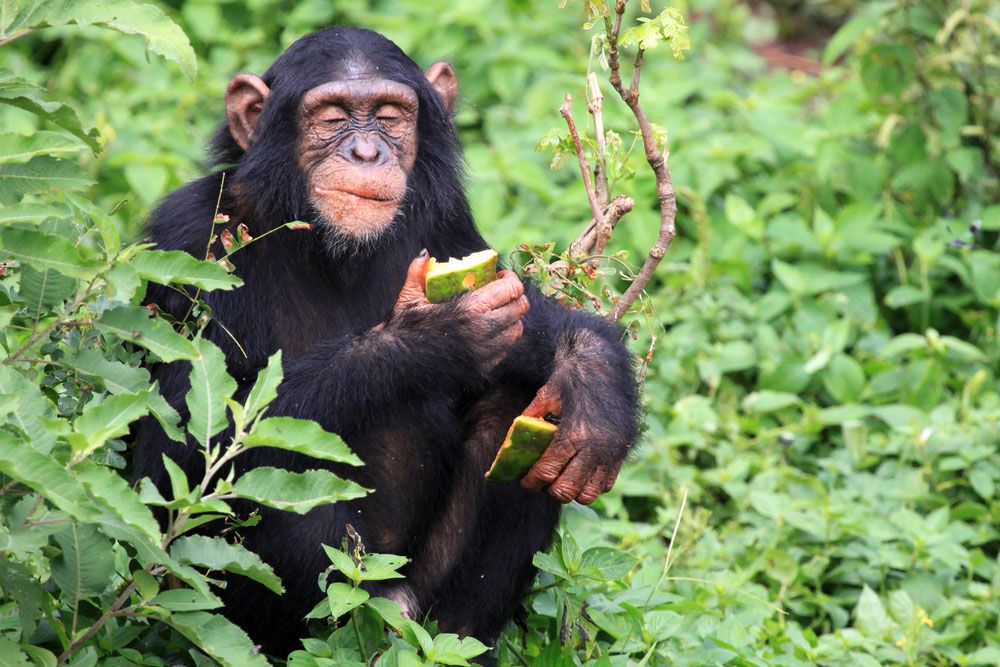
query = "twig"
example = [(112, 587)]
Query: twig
[(595, 107), (15, 35), (657, 162), (114, 611), (584, 243), (595, 204)]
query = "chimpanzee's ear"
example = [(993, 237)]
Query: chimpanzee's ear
[(443, 78), (245, 99)]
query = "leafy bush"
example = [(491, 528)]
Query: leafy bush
[(820, 481)]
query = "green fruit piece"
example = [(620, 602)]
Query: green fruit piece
[(451, 278), (526, 440)]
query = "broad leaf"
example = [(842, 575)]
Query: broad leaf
[(183, 599), (342, 598), (295, 492), (42, 290), (42, 174), (163, 36), (211, 386), (265, 389), (29, 213), (116, 496), (17, 92), (301, 436), (86, 562), (215, 553), (175, 266), (23, 147), (133, 324), (218, 637), (44, 475), (46, 251), (107, 419)]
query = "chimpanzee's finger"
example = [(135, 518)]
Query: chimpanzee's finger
[(548, 468), (594, 486), (571, 481), (547, 401), (498, 293), (412, 292), (506, 316), (612, 475)]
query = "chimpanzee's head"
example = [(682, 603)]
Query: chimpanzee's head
[(337, 130)]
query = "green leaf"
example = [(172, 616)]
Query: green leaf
[(389, 611), (34, 413), (379, 567), (42, 251), (107, 419), (904, 295), (116, 496), (301, 436), (211, 386), (448, 649), (806, 279), (42, 174), (17, 92), (342, 598), (295, 492), (218, 637), (265, 389), (23, 147), (870, 616), (119, 378), (769, 401), (45, 476), (133, 324), (606, 564), (177, 267), (867, 18), (163, 36), (215, 553), (42, 290), (29, 213), (844, 379), (183, 599), (86, 562)]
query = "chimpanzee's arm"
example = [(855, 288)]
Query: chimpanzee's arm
[(588, 379)]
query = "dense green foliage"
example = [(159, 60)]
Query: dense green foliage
[(820, 477)]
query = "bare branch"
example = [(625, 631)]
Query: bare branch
[(584, 243), (595, 205), (595, 107)]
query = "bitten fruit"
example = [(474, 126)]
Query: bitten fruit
[(526, 440), (451, 278)]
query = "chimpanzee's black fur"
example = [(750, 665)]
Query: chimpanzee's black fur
[(409, 397)]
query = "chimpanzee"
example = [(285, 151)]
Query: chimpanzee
[(346, 132)]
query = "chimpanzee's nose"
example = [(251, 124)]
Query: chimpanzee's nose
[(366, 151)]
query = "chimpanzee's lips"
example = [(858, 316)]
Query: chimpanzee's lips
[(381, 199)]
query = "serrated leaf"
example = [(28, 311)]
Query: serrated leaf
[(295, 492), (218, 637), (86, 562), (34, 413), (301, 436), (183, 599), (46, 251), (214, 553), (115, 494), (177, 267), (119, 378), (265, 388), (163, 36), (44, 475), (41, 290), (29, 213), (17, 92), (133, 324), (606, 564), (42, 174), (110, 418), (23, 147), (211, 386)]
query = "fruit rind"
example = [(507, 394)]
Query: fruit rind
[(526, 440), (448, 279)]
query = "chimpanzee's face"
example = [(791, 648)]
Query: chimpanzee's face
[(358, 141), (359, 144)]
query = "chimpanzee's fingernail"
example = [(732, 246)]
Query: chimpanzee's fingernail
[(423, 253)]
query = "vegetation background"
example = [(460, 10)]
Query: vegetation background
[(820, 476)]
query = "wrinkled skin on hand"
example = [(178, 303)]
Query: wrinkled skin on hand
[(488, 319), (588, 449)]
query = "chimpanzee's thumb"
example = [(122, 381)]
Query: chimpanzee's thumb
[(412, 293)]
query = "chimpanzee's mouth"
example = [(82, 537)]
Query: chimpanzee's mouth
[(379, 199)]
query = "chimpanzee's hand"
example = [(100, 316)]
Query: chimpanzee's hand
[(488, 319), (592, 440)]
